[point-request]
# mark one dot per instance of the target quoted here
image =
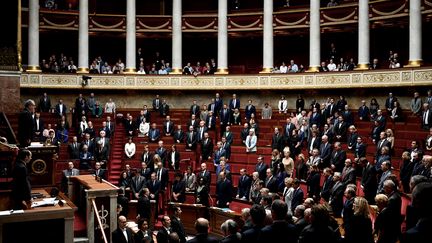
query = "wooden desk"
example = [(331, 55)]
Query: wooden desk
[(218, 216), (105, 196), (53, 223), (190, 212)]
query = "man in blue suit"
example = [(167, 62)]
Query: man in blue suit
[(249, 110), (234, 103), (298, 195), (154, 133), (280, 228), (218, 153)]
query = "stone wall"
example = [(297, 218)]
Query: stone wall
[(10, 91)]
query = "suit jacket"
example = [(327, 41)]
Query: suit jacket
[(364, 113), (179, 187), (207, 177), (203, 238), (100, 155), (271, 184), (327, 186), (176, 163), (206, 148), (261, 169), (297, 198), (427, 119), (348, 213), (316, 143), (162, 236), (44, 104), (315, 118), (178, 135), (195, 123), (154, 134), (244, 185), (338, 160), (227, 147), (278, 230), (65, 178), (25, 128), (130, 126), (278, 142), (416, 105), (164, 177), (101, 173), (199, 134), (210, 122), (341, 130), (287, 130), (352, 140), (118, 237), (380, 144), (360, 150), (191, 138), (170, 129), (224, 192), (348, 176), (336, 198), (139, 236), (218, 154), (249, 109), (369, 182), (177, 226), (195, 110), (225, 116), (144, 208), (57, 110), (236, 106), (148, 160), (156, 104), (41, 127), (154, 187), (74, 151), (244, 133), (164, 110), (137, 184), (389, 103), (326, 153)]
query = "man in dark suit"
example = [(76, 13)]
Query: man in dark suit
[(338, 157), (168, 126), (249, 110), (298, 195), (315, 118), (191, 139), (359, 149), (223, 191), (101, 153), (38, 127), (178, 135), (162, 175), (325, 152), (164, 108), (258, 215), (70, 171), (144, 205), (225, 118), (244, 185), (88, 142), (328, 184), (394, 203), (422, 199), (202, 228), (270, 181), (137, 185), (369, 182), (154, 133), (21, 188), (122, 234), (44, 103), (280, 228), (130, 126), (156, 103), (85, 158), (218, 153), (206, 147), (74, 148), (244, 133), (287, 129), (389, 103), (261, 168), (340, 129), (194, 109), (363, 112), (163, 234), (426, 117), (234, 103), (204, 173), (336, 195), (99, 172), (162, 152), (194, 122), (348, 173), (200, 131), (383, 142), (105, 129), (147, 158), (25, 124), (227, 147), (177, 225), (60, 108), (145, 171), (210, 121), (218, 104), (277, 140), (348, 210), (330, 109)]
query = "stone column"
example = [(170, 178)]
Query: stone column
[(177, 37), (314, 36), (222, 57), (83, 38), (69, 230), (415, 34), (268, 37), (130, 37), (91, 218), (113, 212), (363, 35), (33, 37)]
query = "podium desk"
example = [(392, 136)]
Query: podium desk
[(218, 216), (84, 190), (40, 224), (190, 212)]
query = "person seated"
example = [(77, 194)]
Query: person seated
[(130, 148), (70, 171)]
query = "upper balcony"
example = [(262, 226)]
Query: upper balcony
[(403, 77), (285, 21)]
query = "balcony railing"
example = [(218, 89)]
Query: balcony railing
[(376, 78)]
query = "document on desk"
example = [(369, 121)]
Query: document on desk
[(45, 202), (9, 212)]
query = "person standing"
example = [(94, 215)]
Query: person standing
[(21, 188), (25, 124)]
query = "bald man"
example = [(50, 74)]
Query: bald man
[(122, 234), (202, 228)]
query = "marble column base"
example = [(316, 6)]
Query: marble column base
[(83, 70), (414, 63), (362, 66)]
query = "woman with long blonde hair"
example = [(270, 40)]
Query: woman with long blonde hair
[(359, 228)]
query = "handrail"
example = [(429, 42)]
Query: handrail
[(99, 221)]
